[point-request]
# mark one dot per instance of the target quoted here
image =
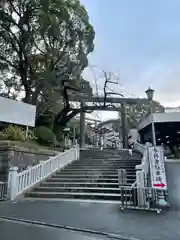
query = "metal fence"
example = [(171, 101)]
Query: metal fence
[(153, 199), (3, 191)]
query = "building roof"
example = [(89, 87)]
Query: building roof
[(159, 118)]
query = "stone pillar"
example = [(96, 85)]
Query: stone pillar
[(12, 183), (120, 128), (96, 135), (140, 189), (124, 126), (82, 126)]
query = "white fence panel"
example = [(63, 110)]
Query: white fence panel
[(20, 182)]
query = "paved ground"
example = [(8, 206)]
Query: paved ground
[(10, 230), (100, 217)]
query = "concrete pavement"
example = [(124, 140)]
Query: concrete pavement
[(13, 230), (99, 217)]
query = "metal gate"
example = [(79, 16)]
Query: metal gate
[(147, 199), (3, 191)]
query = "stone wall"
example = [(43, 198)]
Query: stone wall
[(22, 157), (173, 181)]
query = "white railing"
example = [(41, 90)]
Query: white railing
[(139, 147), (20, 182), (142, 169), (143, 149)]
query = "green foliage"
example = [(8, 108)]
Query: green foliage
[(138, 111), (15, 133), (45, 135), (41, 44)]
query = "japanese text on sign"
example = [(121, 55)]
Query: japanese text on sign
[(157, 168)]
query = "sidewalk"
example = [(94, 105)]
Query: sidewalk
[(98, 216)]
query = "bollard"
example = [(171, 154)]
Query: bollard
[(122, 177)]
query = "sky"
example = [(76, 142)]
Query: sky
[(140, 41)]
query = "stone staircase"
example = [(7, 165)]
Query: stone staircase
[(93, 177)]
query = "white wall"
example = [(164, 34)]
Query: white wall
[(16, 112)]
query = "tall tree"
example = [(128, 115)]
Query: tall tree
[(43, 43)]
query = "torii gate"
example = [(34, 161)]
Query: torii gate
[(111, 100)]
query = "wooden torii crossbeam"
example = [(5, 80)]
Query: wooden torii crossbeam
[(89, 99), (83, 99)]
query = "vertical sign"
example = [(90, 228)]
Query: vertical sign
[(157, 168)]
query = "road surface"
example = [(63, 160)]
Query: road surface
[(99, 217)]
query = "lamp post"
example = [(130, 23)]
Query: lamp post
[(150, 94)]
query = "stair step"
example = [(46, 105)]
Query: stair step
[(93, 170), (118, 159), (105, 160), (115, 159), (101, 180), (80, 184), (89, 175), (77, 189), (94, 173), (105, 167), (77, 195), (83, 176), (98, 168)]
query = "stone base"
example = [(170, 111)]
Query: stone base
[(22, 157)]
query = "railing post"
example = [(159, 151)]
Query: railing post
[(12, 183), (140, 188)]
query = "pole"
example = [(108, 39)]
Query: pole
[(153, 129), (120, 131), (82, 126), (74, 133), (124, 126)]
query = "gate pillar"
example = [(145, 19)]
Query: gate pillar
[(124, 126), (82, 126)]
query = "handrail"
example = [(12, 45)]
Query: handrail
[(144, 166), (20, 182)]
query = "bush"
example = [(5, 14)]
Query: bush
[(45, 135), (3, 136), (15, 133)]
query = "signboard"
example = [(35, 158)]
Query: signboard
[(12, 111), (157, 168)]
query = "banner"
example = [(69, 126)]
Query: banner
[(157, 167)]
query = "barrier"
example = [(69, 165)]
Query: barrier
[(20, 182)]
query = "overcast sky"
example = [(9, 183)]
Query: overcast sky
[(139, 39)]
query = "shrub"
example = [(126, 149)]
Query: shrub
[(45, 135), (3, 136), (15, 133)]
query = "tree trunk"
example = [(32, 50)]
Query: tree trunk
[(27, 98)]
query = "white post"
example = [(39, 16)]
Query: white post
[(12, 183), (140, 188), (27, 131), (102, 143)]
